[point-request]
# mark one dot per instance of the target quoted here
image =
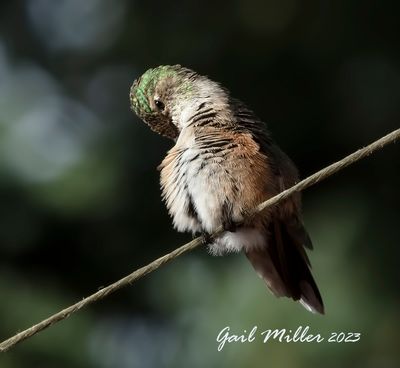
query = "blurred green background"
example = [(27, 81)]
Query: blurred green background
[(79, 195)]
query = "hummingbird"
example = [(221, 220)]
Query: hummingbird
[(222, 165)]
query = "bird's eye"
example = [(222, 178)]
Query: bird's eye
[(160, 105)]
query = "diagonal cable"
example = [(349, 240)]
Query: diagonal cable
[(139, 273)]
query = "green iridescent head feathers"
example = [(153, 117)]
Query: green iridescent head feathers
[(151, 93), (144, 87)]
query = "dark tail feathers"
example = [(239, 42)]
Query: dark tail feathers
[(284, 265)]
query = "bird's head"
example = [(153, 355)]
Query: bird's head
[(159, 93)]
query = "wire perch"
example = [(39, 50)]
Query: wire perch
[(139, 273)]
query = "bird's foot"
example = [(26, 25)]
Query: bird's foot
[(206, 238)]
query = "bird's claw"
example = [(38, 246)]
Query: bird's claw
[(206, 238)]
